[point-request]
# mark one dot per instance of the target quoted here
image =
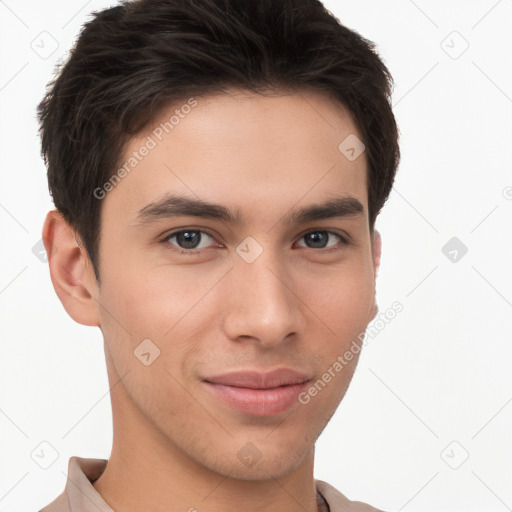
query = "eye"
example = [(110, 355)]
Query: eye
[(319, 239), (195, 241), (189, 241)]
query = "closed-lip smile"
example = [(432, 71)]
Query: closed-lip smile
[(259, 393)]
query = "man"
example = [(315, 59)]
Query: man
[(217, 167)]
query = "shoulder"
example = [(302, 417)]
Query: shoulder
[(338, 502)]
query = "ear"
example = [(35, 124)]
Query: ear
[(376, 253), (376, 250), (70, 270)]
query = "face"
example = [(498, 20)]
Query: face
[(263, 290)]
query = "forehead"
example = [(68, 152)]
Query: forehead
[(246, 151)]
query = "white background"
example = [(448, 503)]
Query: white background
[(438, 373)]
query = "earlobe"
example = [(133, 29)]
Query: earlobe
[(70, 270)]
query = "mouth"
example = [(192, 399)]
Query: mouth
[(259, 394)]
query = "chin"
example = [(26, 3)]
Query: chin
[(257, 461)]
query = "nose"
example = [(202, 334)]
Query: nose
[(261, 302)]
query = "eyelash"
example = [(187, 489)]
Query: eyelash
[(192, 252)]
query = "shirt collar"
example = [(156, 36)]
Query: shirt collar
[(82, 496)]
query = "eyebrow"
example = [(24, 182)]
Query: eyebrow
[(180, 206)]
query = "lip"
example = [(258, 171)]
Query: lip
[(259, 394), (259, 380)]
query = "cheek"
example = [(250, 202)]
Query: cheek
[(161, 304), (149, 299), (147, 330), (342, 300)]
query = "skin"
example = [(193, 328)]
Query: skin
[(175, 445)]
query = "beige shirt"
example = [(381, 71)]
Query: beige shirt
[(79, 494)]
